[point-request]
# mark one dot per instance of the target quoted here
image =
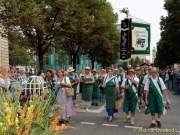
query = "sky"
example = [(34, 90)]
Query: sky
[(147, 10)]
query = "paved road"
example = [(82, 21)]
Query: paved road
[(94, 122)]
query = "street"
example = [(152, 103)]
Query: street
[(94, 122)]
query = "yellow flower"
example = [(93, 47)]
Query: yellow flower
[(6, 104), (17, 120)]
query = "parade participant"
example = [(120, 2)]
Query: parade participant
[(102, 75), (87, 81), (22, 78), (111, 87), (2, 82), (154, 91), (74, 79), (166, 79), (140, 75), (118, 75), (119, 78), (64, 101), (146, 77), (96, 90), (130, 85), (51, 81), (148, 73)]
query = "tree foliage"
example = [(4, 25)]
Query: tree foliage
[(169, 45), (78, 27), (18, 54), (34, 23)]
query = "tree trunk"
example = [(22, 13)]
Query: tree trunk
[(92, 62), (74, 60), (40, 60), (40, 57)]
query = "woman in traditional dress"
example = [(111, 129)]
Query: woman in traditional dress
[(87, 87), (154, 91), (50, 80), (111, 86), (74, 79), (64, 101), (130, 86), (102, 74), (96, 90)]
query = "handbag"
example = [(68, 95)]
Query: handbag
[(69, 91), (118, 105)]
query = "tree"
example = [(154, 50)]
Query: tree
[(89, 28), (168, 47), (34, 21), (75, 26), (102, 43), (78, 27), (18, 55)]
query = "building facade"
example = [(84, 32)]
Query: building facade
[(4, 50)]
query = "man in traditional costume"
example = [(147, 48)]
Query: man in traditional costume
[(130, 86), (119, 77), (154, 91), (140, 75)]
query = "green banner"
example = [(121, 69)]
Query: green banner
[(141, 39)]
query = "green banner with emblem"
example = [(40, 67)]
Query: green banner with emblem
[(141, 39)]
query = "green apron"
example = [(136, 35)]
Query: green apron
[(140, 88), (110, 93), (96, 90), (52, 91), (155, 99), (87, 90), (130, 100)]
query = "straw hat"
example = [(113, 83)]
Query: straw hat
[(131, 70), (87, 68), (70, 69), (138, 68), (129, 66), (154, 70), (116, 69)]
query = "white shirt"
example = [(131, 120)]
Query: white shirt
[(133, 87), (118, 77), (146, 77), (166, 77), (113, 78), (66, 80), (2, 82), (155, 81)]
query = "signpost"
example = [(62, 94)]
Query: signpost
[(126, 39), (135, 38)]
